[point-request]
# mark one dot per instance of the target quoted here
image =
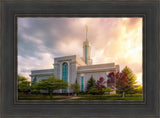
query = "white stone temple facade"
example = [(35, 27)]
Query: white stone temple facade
[(73, 67)]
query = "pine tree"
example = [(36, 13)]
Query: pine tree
[(130, 87), (91, 83)]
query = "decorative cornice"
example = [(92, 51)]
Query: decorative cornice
[(48, 74), (64, 60), (42, 70), (96, 70), (65, 57), (104, 64)]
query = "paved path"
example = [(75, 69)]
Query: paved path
[(75, 97), (69, 97)]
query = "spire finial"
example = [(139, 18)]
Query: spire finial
[(86, 32)]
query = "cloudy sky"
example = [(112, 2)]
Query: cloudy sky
[(41, 39)]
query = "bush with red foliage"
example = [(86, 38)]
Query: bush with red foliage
[(122, 81), (117, 80), (100, 84), (111, 82)]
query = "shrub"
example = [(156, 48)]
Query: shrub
[(100, 84), (82, 93), (108, 90), (75, 87), (133, 95), (93, 91)]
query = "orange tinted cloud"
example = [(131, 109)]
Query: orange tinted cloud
[(116, 40)]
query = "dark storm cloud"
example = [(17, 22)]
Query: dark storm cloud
[(39, 29), (26, 47), (48, 31)]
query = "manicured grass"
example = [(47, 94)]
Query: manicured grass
[(83, 97), (43, 98), (109, 98)]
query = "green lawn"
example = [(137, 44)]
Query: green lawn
[(83, 97), (109, 98), (44, 98)]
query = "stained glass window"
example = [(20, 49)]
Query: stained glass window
[(82, 83), (65, 74)]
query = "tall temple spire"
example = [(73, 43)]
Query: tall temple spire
[(86, 32), (87, 50)]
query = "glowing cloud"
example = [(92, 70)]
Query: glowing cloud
[(116, 40)]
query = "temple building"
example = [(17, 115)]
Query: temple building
[(72, 68)]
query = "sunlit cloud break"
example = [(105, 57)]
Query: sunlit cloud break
[(117, 40)]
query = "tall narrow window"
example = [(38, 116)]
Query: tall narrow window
[(82, 83), (65, 74), (34, 81), (85, 54)]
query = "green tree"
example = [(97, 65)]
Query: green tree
[(75, 87), (34, 81), (23, 84), (108, 90), (130, 87), (50, 84), (91, 83), (94, 91), (138, 89)]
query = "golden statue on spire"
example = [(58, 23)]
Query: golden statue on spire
[(86, 32), (86, 27)]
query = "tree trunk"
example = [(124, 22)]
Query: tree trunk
[(123, 94), (75, 94), (50, 93)]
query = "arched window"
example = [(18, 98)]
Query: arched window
[(65, 74)]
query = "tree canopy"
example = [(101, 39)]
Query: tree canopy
[(131, 86), (117, 80), (23, 84), (75, 87), (100, 84), (91, 83), (138, 89), (50, 84)]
